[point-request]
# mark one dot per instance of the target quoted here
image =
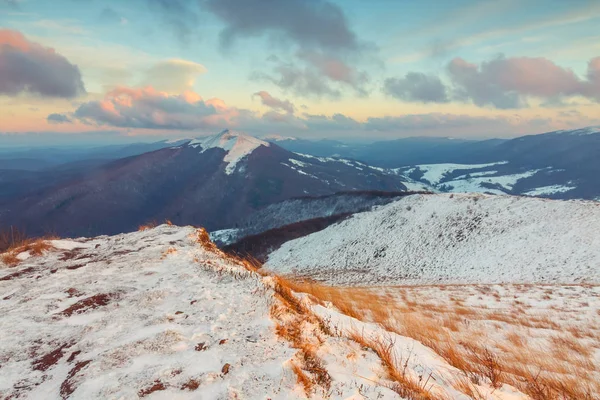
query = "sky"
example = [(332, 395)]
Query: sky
[(109, 71)]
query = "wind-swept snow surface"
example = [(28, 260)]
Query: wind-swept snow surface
[(453, 238), (163, 314), (139, 313)]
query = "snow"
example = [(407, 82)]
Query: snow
[(413, 186), (113, 317), (225, 236), (548, 190), (236, 144), (435, 173), (68, 244), (298, 163), (453, 238), (476, 184), (166, 298)]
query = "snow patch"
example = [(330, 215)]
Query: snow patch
[(548, 190), (236, 144), (435, 173)]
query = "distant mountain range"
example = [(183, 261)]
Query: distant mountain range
[(221, 181), (560, 164), (213, 182)]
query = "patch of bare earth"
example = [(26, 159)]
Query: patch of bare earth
[(87, 304)]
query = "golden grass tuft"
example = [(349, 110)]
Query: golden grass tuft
[(560, 371), (147, 226), (35, 247)]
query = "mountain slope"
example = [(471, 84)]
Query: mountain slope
[(304, 208), (162, 314), (212, 182), (453, 239), (560, 165)]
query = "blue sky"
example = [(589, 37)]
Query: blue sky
[(308, 68)]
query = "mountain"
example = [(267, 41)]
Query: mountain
[(559, 165), (41, 158), (396, 153), (453, 238), (213, 182)]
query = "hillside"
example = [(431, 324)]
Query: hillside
[(302, 209), (185, 321), (453, 238)]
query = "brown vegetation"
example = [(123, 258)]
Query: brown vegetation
[(147, 226), (559, 372), (68, 386), (86, 304), (15, 242)]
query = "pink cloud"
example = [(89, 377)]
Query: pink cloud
[(506, 82), (148, 108), (275, 103), (28, 67)]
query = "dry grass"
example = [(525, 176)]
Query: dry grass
[(405, 384), (558, 367), (561, 369), (147, 226), (35, 247), (11, 237)]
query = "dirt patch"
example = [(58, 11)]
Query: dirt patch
[(76, 266), (73, 356), (87, 304), (17, 274), (72, 292), (68, 386), (157, 386), (201, 347), (50, 359), (191, 385)]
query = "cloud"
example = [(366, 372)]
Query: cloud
[(418, 87), (110, 16), (58, 119), (336, 70), (503, 83), (27, 67), (148, 108), (315, 75), (326, 51), (336, 122), (11, 3), (310, 24), (179, 15), (506, 82), (173, 75), (274, 103)]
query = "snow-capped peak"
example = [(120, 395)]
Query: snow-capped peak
[(237, 145)]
